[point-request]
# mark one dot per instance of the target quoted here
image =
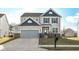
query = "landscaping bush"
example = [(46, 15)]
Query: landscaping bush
[(50, 35), (41, 35), (10, 35), (17, 35)]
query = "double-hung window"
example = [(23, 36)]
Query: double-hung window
[(54, 20), (55, 30), (46, 20)]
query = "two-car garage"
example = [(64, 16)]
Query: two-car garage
[(29, 29), (29, 34)]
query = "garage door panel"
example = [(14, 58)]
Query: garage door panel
[(29, 34)]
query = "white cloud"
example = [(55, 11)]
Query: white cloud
[(15, 18), (77, 14), (73, 19), (70, 19), (71, 22)]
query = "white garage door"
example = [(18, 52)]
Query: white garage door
[(29, 34)]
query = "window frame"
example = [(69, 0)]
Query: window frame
[(55, 30), (54, 20), (46, 20)]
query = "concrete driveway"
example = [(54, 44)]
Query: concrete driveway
[(22, 45)]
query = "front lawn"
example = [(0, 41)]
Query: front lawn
[(61, 41), (5, 39), (43, 41)]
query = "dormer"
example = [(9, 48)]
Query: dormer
[(50, 17), (50, 12)]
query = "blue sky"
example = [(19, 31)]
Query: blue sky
[(70, 16)]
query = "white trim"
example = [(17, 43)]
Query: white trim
[(27, 19), (48, 10)]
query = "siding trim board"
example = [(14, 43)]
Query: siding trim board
[(53, 13), (29, 24)]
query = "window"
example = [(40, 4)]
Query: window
[(45, 29), (50, 13), (46, 20), (29, 21), (55, 30), (54, 20), (36, 19)]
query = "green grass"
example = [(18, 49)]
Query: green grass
[(43, 41), (61, 41)]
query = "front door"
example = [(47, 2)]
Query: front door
[(45, 29)]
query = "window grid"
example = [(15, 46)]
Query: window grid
[(46, 20), (55, 30), (54, 20)]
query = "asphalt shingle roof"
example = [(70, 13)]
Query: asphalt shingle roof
[(31, 14), (29, 24), (53, 13), (1, 15)]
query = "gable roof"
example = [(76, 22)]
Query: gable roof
[(69, 30), (53, 13), (41, 14), (29, 24), (31, 14), (1, 15)]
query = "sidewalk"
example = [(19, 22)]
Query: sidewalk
[(59, 45)]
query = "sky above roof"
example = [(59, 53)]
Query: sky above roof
[(70, 16)]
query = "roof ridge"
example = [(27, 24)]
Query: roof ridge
[(1, 14)]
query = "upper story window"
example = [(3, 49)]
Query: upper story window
[(29, 21), (46, 20), (37, 19), (50, 13), (54, 20)]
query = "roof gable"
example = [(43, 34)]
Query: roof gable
[(29, 22), (51, 12)]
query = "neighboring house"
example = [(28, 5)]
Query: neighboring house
[(34, 23), (69, 32), (4, 25), (14, 28), (78, 30)]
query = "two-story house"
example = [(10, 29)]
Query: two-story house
[(4, 25), (34, 23)]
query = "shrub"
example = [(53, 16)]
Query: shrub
[(10, 35), (50, 35), (41, 35), (17, 35)]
